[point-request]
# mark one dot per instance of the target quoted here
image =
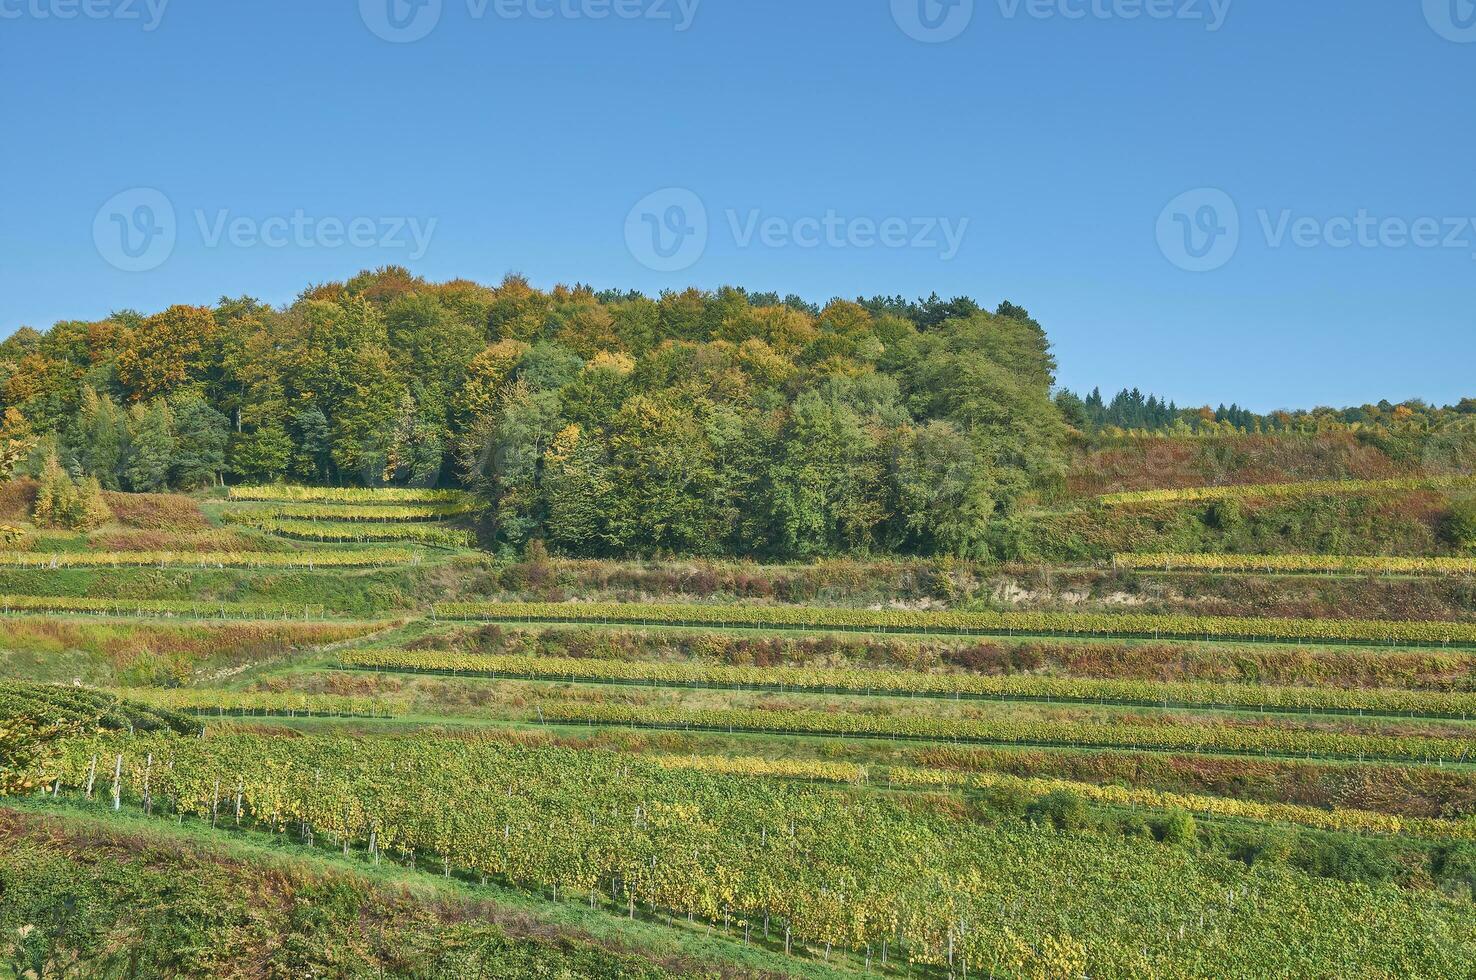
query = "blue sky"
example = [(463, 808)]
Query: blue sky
[(830, 144)]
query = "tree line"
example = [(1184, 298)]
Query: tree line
[(604, 423), (1131, 411)]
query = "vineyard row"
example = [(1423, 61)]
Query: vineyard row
[(1371, 564), (987, 623), (219, 559), (1319, 488), (345, 531), (900, 683), (1190, 738), (288, 493)]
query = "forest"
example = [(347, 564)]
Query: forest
[(602, 423)]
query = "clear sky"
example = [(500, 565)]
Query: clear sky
[(1079, 157)]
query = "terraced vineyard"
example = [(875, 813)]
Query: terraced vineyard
[(390, 496), (362, 516), (819, 868), (824, 786)]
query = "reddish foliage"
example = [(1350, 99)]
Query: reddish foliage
[(156, 511)]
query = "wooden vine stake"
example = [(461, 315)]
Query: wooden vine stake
[(148, 799), (118, 784)]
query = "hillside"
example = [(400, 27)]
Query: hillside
[(714, 635)]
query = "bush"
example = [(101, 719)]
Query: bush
[(1454, 868), (1177, 828), (1369, 861), (91, 511), (1061, 809), (1268, 846), (1460, 523), (1005, 800), (61, 503), (1225, 515)]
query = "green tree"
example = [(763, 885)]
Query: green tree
[(580, 494), (313, 459), (664, 473), (150, 448), (55, 496), (201, 434), (261, 453), (363, 424), (100, 437), (416, 447), (502, 456), (826, 483), (944, 500)]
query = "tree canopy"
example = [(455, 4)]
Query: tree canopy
[(696, 422)]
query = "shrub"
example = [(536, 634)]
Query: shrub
[(1225, 515), (1062, 809), (61, 503), (1367, 860), (1270, 845), (90, 510), (1460, 523), (1007, 800), (1177, 828), (1454, 868)]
